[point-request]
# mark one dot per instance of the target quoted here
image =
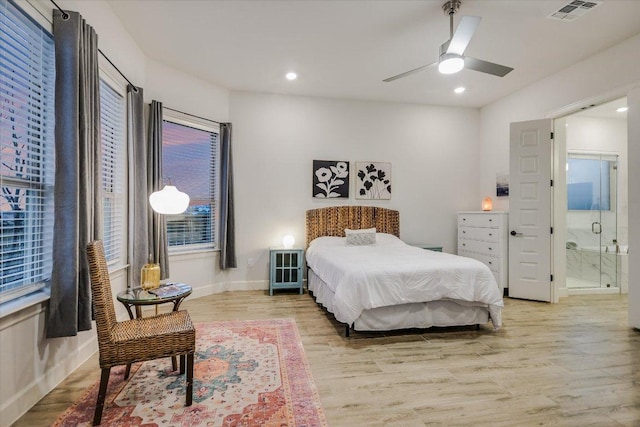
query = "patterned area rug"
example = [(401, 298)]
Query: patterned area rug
[(246, 373)]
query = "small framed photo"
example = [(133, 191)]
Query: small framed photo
[(502, 184)]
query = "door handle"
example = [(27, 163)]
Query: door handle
[(593, 228), (515, 233)]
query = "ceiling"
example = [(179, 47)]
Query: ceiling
[(608, 110), (344, 49)]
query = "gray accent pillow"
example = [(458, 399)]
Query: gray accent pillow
[(362, 237)]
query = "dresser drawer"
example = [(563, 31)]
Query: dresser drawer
[(489, 261), (484, 220), (483, 234), (487, 248), (493, 263)]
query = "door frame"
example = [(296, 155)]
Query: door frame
[(559, 190)]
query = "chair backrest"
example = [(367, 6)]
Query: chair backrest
[(104, 311)]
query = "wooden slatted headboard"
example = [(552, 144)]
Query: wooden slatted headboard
[(331, 221)]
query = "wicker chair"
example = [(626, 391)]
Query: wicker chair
[(138, 339)]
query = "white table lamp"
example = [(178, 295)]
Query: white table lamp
[(288, 241)]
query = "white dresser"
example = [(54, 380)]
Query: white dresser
[(483, 236)]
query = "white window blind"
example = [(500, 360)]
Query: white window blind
[(190, 162), (26, 152), (112, 120)]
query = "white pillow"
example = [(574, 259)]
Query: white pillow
[(362, 237)]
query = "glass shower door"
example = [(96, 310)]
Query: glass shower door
[(592, 220), (609, 259)]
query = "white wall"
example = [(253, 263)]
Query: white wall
[(185, 93), (605, 76), (633, 117), (433, 153)]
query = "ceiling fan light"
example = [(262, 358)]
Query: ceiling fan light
[(450, 63)]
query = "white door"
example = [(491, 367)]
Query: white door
[(530, 164)]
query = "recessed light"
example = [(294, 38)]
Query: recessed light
[(291, 76), (460, 89), (622, 109)]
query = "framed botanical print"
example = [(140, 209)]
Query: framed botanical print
[(330, 179), (373, 180)]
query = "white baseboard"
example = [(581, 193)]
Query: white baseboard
[(22, 401), (563, 292), (255, 285)]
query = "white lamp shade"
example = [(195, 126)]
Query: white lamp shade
[(450, 63), (288, 241), (169, 201)]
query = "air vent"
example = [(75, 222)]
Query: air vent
[(574, 10)]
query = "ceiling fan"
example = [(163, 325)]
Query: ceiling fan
[(451, 58)]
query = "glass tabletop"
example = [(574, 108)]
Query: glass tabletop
[(165, 293)]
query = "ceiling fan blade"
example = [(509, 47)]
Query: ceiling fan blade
[(461, 38), (486, 67), (407, 73)]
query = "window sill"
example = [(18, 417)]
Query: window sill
[(180, 252), (10, 307)]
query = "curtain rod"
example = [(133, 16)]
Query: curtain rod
[(135, 88), (65, 15), (192, 115)]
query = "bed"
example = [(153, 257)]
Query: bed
[(390, 285)]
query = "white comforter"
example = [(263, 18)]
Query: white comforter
[(391, 272)]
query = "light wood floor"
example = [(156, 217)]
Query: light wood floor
[(575, 363)]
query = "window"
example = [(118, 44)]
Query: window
[(26, 152), (190, 161), (112, 119), (589, 182)]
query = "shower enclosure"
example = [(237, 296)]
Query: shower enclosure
[(592, 221)]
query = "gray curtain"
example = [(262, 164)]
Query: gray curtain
[(227, 218), (77, 192), (157, 223), (138, 196)]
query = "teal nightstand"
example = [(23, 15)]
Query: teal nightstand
[(285, 269), (429, 246)]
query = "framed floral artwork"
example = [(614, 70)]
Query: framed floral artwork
[(330, 179), (373, 180)]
